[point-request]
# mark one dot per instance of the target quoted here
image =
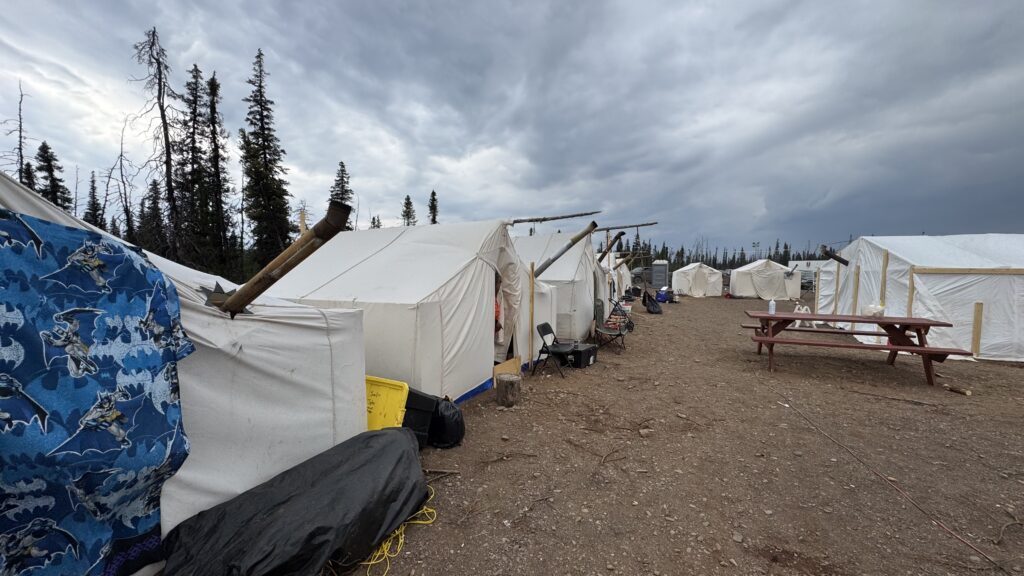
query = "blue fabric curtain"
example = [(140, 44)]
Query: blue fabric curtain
[(90, 423)]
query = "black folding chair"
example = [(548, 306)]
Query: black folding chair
[(550, 346), (605, 334)]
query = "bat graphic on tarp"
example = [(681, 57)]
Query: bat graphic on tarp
[(34, 545), (115, 421), (14, 230), (11, 317), (90, 268), (17, 407), (72, 337)]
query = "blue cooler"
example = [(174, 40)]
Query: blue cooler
[(663, 296)]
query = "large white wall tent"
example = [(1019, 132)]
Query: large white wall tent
[(577, 277), (427, 294), (262, 392), (974, 281), (697, 279), (766, 280)]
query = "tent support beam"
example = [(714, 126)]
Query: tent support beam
[(910, 292), (626, 227), (839, 288), (550, 218), (981, 271), (532, 327), (885, 278), (817, 288), (979, 314), (856, 292)]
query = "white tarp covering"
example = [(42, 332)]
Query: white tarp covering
[(261, 393), (825, 290), (698, 280), (427, 295), (970, 266), (577, 277), (766, 280)]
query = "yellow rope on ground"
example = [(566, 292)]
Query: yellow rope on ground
[(391, 547)]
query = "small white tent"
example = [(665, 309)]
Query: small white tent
[(698, 280), (576, 276), (261, 393), (428, 295), (766, 280), (973, 281)]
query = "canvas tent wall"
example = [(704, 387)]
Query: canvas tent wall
[(974, 281), (577, 277), (766, 280), (697, 280), (427, 293), (262, 392)]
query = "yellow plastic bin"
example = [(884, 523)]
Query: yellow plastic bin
[(385, 402)]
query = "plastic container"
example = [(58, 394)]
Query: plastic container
[(771, 306), (419, 409), (385, 402)]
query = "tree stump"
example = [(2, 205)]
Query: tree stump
[(507, 389)]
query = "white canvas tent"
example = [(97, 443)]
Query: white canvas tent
[(698, 280), (974, 281), (427, 294), (576, 276), (260, 394), (766, 280)]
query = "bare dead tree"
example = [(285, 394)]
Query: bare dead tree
[(152, 55), (17, 155), (121, 177)]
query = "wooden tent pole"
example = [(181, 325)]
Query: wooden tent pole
[(979, 313), (856, 292), (910, 294), (839, 287), (885, 276), (532, 327), (817, 288)]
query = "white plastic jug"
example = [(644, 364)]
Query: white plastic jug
[(771, 306)]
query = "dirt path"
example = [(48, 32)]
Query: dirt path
[(730, 478)]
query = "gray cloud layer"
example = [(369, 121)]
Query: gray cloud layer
[(809, 121)]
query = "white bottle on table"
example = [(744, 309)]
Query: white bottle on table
[(771, 306)]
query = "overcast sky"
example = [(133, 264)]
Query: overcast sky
[(732, 121)]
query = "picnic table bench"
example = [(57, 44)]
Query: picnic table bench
[(902, 335)]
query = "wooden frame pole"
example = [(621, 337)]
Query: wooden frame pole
[(910, 293), (885, 277), (979, 316), (839, 289), (856, 292), (817, 288), (532, 327)]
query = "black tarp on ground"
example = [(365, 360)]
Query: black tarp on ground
[(337, 505)]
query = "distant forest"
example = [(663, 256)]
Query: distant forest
[(644, 253)]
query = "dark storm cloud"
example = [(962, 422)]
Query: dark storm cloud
[(808, 122)]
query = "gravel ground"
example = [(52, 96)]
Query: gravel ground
[(684, 455)]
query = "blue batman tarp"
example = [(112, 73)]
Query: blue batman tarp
[(90, 423)]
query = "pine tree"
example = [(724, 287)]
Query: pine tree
[(114, 229), (51, 185), (265, 195), (28, 176), (217, 180), (151, 232), (93, 208), (432, 207), (342, 192), (190, 173), (151, 53), (375, 222), (408, 212)]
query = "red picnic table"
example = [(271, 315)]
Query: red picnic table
[(902, 335)]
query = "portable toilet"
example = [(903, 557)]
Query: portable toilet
[(659, 273)]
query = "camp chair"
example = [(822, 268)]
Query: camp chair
[(606, 333), (550, 346)]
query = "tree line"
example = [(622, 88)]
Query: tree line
[(190, 209), (644, 252)]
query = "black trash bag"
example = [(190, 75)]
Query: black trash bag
[(447, 427), (339, 505), (651, 304)]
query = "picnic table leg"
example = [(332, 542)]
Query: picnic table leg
[(897, 336), (771, 357), (929, 373)]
